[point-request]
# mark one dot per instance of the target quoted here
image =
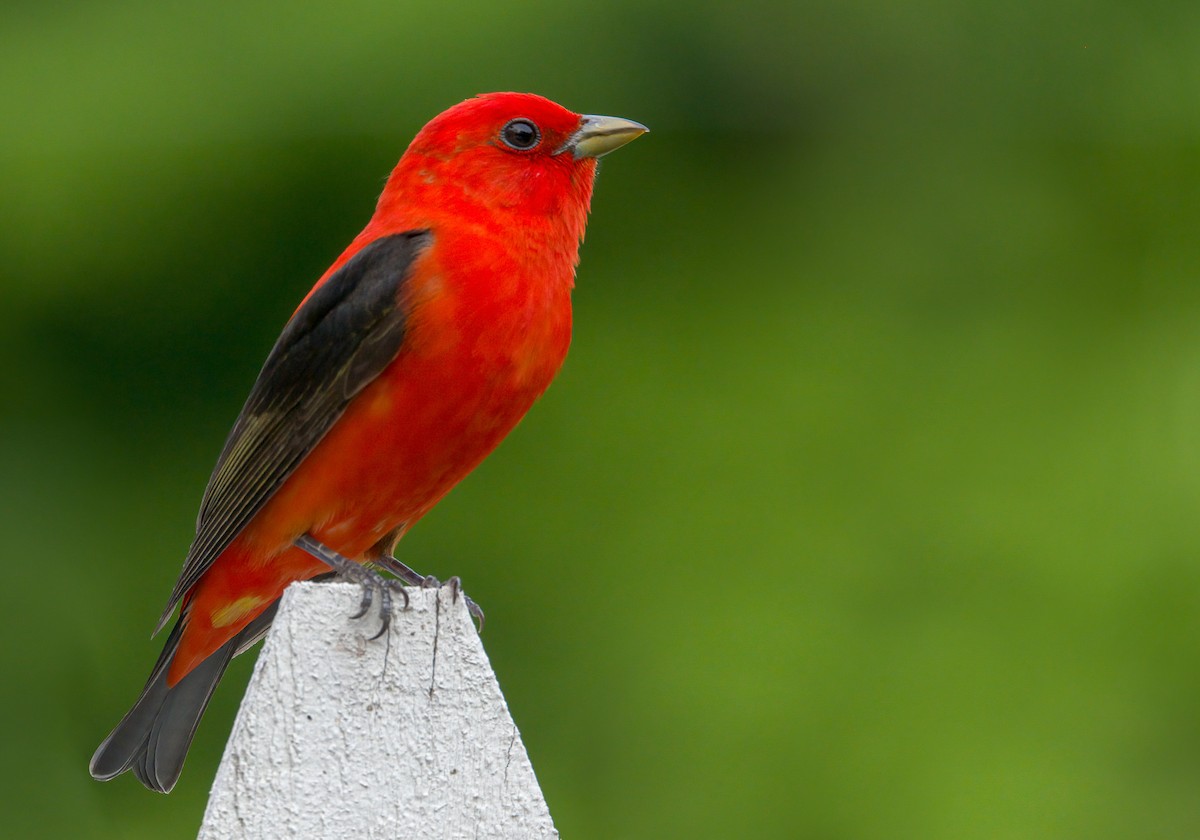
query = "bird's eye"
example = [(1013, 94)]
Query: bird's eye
[(521, 135)]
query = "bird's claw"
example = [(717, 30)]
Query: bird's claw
[(372, 582), (408, 576), (386, 602), (385, 610), (454, 584), (475, 611), (369, 580), (368, 595)]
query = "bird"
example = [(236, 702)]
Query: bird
[(411, 358)]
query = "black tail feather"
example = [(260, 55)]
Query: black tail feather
[(153, 738)]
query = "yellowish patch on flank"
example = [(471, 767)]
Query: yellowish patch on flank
[(239, 609), (381, 406)]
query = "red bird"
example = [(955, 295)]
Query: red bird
[(417, 351)]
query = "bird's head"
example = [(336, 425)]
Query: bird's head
[(509, 153)]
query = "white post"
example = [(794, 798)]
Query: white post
[(407, 736)]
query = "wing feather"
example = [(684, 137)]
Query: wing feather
[(339, 340)]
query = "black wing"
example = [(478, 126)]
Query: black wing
[(343, 336)]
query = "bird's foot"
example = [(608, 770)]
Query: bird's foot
[(412, 578), (370, 581)]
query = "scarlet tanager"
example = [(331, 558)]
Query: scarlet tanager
[(417, 351)]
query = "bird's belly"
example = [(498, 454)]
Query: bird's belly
[(402, 444)]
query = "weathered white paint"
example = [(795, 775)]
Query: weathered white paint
[(407, 736)]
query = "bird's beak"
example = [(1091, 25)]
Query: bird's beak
[(598, 136)]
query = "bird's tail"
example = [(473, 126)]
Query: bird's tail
[(152, 740)]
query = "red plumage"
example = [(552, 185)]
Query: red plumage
[(442, 323)]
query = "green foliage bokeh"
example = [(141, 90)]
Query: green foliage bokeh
[(865, 506)]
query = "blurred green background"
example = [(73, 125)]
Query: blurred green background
[(866, 504)]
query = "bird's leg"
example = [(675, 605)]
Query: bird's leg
[(369, 580), (412, 578)]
